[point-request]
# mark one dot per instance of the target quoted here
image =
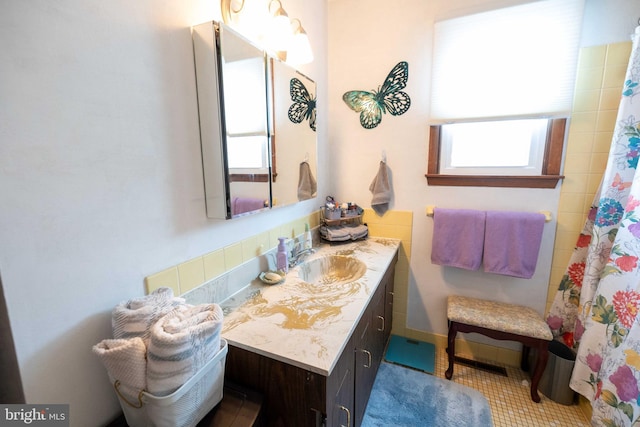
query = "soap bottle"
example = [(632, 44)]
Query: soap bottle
[(282, 258), (308, 241)]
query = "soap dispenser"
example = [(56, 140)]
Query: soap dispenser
[(308, 240), (282, 257)]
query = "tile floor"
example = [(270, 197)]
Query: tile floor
[(511, 405)]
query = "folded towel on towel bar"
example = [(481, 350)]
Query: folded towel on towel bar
[(240, 205), (458, 236), (512, 242), (126, 364), (181, 343), (135, 317)]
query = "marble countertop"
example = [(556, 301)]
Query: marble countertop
[(302, 324)]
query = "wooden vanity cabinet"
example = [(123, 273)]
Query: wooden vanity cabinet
[(367, 360), (372, 335), (340, 390), (297, 397)]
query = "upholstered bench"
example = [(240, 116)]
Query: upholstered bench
[(500, 321)]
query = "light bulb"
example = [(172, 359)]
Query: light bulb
[(300, 48), (280, 34)]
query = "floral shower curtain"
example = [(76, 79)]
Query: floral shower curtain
[(597, 307)]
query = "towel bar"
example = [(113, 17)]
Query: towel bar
[(547, 215)]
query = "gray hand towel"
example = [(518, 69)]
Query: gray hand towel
[(307, 186), (381, 189)]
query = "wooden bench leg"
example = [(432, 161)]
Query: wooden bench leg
[(451, 348), (524, 361), (541, 364), (541, 345)]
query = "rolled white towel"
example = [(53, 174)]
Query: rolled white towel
[(181, 343), (126, 363), (135, 317)]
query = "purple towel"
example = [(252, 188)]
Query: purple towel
[(246, 204), (458, 236), (511, 243)]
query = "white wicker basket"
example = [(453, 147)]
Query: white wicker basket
[(184, 407)]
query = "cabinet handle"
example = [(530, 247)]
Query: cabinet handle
[(348, 415), (392, 295), (381, 329), (369, 355)]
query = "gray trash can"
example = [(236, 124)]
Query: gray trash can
[(555, 380)]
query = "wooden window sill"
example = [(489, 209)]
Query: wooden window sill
[(538, 181)]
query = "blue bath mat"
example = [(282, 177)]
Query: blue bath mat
[(406, 397), (411, 353)]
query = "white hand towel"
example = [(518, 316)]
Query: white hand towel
[(381, 189), (307, 185), (181, 343), (126, 362), (135, 317)]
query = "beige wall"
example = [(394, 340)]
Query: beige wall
[(101, 177), (358, 62)]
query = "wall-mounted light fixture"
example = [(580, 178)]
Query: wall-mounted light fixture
[(269, 27)]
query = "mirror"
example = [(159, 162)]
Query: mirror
[(214, 165), (245, 130), (293, 132), (257, 125)]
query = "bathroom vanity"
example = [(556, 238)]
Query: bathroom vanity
[(312, 344)]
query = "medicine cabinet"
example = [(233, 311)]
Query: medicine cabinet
[(251, 146)]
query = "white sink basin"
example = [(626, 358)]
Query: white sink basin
[(332, 269)]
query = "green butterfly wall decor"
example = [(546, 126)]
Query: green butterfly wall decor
[(389, 97)]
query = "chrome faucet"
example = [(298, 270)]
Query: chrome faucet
[(298, 253)]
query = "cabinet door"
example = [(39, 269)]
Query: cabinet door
[(364, 374), (379, 326), (340, 391), (388, 302)]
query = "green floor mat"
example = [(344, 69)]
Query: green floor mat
[(411, 353)]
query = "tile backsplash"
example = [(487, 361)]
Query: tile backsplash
[(192, 273)]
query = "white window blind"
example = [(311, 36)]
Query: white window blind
[(516, 61)]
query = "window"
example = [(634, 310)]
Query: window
[(508, 147), (547, 152), (248, 152), (247, 142), (500, 80)]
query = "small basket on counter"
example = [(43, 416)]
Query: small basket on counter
[(332, 213), (333, 210), (352, 211), (342, 222)]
